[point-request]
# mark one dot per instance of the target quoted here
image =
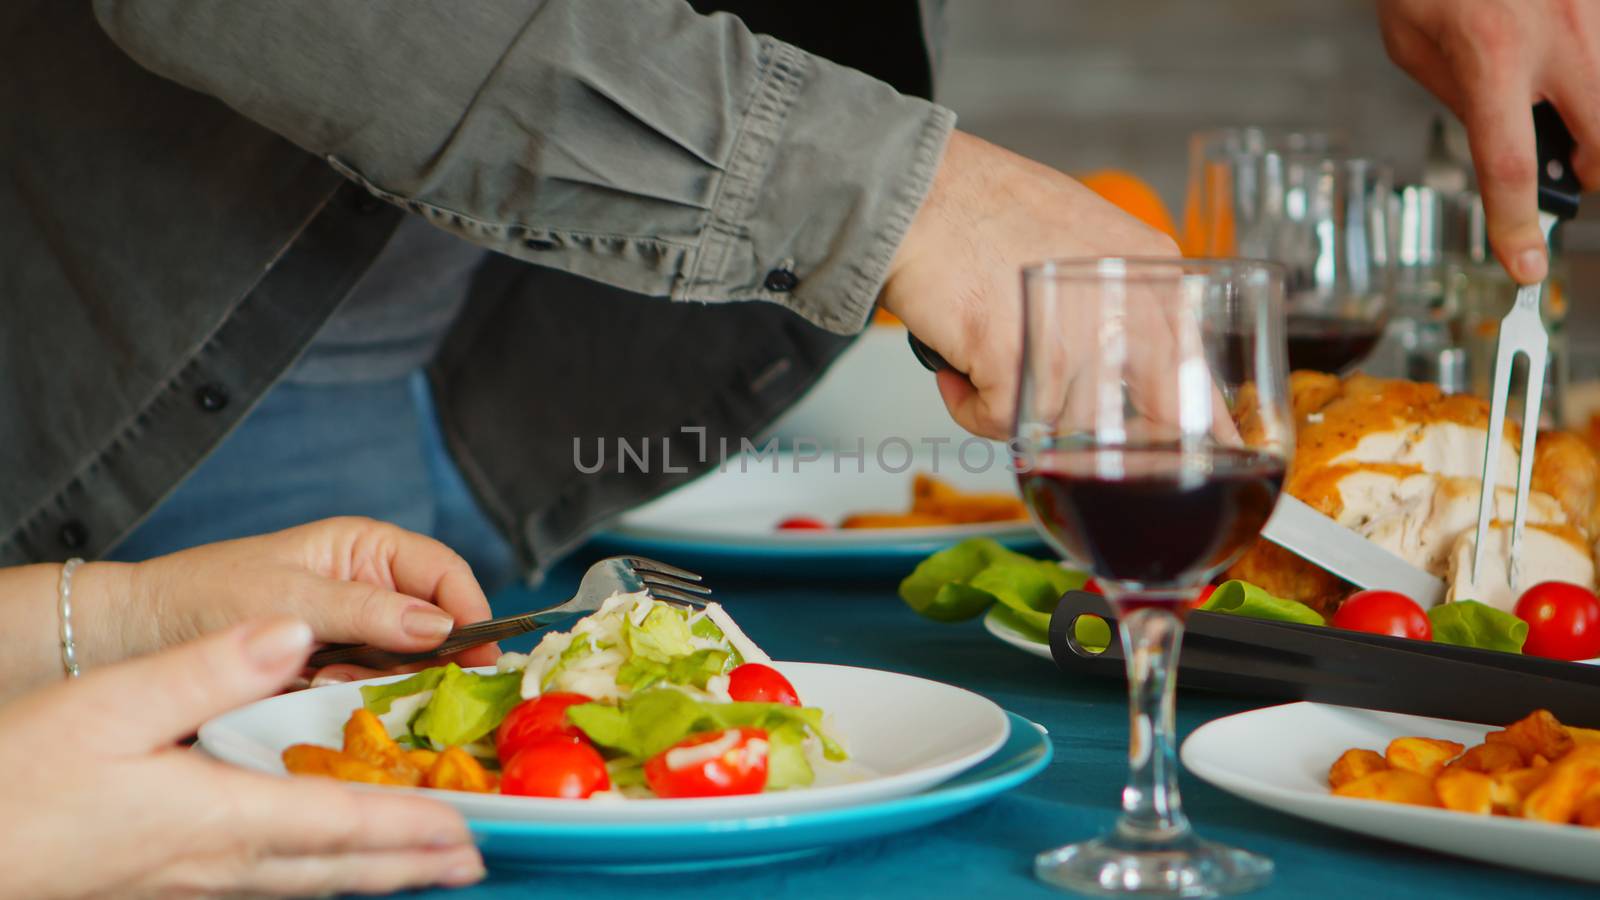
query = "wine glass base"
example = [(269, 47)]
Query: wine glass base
[(1188, 867)]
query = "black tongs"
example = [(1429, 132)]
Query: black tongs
[(1281, 661)]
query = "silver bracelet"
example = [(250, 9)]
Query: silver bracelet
[(69, 650)]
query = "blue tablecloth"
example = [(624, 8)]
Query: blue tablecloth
[(989, 852)]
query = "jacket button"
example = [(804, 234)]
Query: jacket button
[(211, 397), (73, 535), (781, 280)]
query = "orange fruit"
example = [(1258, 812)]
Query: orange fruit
[(1133, 196)]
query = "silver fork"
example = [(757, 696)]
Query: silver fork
[(1522, 331), (615, 574)]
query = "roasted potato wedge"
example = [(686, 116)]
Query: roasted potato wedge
[(1512, 787), (422, 760), (1589, 809), (309, 759), (366, 739), (457, 770), (1465, 790), (1489, 758), (1392, 786), (1584, 736), (1353, 764), (1424, 756), (1571, 779), (1537, 734)]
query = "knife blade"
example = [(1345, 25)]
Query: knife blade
[(1298, 528)]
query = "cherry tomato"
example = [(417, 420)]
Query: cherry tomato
[(740, 767), (545, 716), (1384, 612), (1204, 595), (802, 523), (555, 767), (1563, 621), (1093, 587), (756, 683)]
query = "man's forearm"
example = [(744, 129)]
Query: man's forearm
[(631, 141)]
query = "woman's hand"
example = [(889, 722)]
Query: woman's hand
[(956, 280), (352, 580), (91, 771), (1491, 61)]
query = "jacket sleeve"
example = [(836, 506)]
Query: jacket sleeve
[(634, 142)]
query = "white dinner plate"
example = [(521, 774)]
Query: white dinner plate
[(1279, 757), (1002, 629), (741, 504), (903, 734)]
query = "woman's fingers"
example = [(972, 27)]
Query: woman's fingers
[(423, 567), (361, 873), (355, 612), (314, 837), (305, 815), (177, 689)]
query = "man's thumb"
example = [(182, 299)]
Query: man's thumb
[(157, 699)]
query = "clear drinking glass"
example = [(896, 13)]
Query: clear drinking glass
[(1210, 153), (1330, 220), (1153, 430)]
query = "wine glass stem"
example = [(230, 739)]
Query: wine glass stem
[(1151, 809)]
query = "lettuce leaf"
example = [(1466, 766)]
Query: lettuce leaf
[(1468, 623), (654, 720), (696, 669), (937, 587), (787, 766), (662, 636), (962, 581), (377, 698), (1028, 587), (1240, 598), (466, 706)]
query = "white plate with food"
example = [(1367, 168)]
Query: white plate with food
[(829, 510), (1283, 757), (642, 712)]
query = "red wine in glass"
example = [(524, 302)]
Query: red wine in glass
[(1161, 516), (1320, 343), (1329, 343)]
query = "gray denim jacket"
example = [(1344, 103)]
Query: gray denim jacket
[(194, 185)]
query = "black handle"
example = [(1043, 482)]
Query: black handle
[(929, 357), (1558, 184), (1282, 661)]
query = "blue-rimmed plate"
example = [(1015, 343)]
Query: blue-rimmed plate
[(728, 520), (716, 843)]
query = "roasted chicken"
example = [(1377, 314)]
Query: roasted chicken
[(1401, 463)]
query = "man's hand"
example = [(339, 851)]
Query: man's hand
[(114, 808), (956, 280), (1491, 61), (353, 580)]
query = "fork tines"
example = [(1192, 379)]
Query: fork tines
[(666, 582)]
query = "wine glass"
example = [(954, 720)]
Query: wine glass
[(1329, 220), (1205, 228), (1152, 434)]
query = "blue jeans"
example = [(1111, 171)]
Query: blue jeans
[(312, 451)]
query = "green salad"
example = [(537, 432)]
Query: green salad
[(979, 575), (657, 699)]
